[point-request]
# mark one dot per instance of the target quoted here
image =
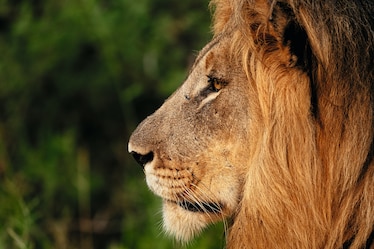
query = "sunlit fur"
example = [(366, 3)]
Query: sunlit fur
[(311, 184), (283, 151)]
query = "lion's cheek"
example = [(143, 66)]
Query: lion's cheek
[(183, 224), (227, 190)]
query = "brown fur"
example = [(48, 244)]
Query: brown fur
[(327, 164), (290, 136)]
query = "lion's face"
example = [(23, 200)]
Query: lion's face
[(195, 148)]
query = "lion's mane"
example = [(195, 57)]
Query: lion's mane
[(314, 164)]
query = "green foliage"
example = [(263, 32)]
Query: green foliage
[(76, 77)]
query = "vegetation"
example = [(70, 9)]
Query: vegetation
[(76, 77)]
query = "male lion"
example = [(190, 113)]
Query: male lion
[(273, 129)]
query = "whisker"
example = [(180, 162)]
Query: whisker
[(211, 196), (210, 202), (198, 202), (208, 197)]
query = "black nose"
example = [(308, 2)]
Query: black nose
[(142, 159)]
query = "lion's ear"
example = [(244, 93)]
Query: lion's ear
[(292, 34), (278, 29)]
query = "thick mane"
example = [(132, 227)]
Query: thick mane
[(311, 183)]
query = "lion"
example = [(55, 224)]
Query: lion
[(273, 130)]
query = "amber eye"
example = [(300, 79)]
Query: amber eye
[(215, 83)]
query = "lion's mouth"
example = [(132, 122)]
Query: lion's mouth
[(202, 207)]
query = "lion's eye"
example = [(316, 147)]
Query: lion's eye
[(215, 83)]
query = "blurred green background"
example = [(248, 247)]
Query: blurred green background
[(76, 77)]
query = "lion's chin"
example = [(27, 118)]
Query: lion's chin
[(186, 220)]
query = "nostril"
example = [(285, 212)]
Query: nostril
[(142, 159)]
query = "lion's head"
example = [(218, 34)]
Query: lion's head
[(195, 148), (269, 130)]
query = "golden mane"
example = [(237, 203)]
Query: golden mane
[(315, 171)]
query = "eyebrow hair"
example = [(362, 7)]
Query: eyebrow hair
[(205, 50)]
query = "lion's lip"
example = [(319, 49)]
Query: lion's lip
[(201, 207)]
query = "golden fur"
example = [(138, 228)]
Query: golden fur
[(278, 138)]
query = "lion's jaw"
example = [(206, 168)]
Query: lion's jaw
[(196, 145)]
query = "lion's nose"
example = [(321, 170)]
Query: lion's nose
[(142, 159)]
